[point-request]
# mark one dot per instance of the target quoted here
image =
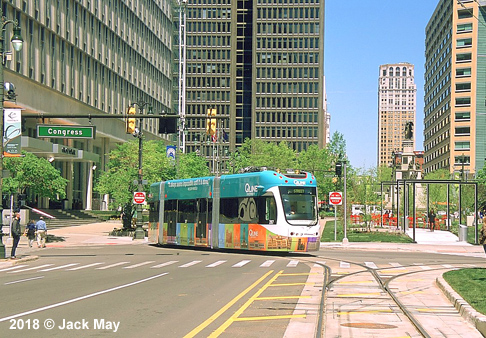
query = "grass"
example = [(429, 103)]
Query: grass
[(358, 234), (470, 284)]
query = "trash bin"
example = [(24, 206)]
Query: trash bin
[(462, 233), (65, 204)]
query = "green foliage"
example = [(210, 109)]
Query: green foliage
[(191, 165), (470, 284), (258, 153), (33, 173), (437, 192)]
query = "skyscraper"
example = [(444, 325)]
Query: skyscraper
[(396, 106), (455, 109), (260, 64)]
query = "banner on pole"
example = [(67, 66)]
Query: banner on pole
[(12, 132)]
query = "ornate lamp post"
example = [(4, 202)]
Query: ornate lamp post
[(139, 232), (17, 42)]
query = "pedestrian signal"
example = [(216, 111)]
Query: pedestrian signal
[(131, 121), (168, 125)]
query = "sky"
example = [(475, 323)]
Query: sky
[(359, 37)]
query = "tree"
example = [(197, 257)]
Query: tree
[(33, 174), (118, 180)]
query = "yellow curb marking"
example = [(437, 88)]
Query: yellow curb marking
[(268, 318)]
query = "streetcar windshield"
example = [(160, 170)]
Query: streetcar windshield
[(299, 205)]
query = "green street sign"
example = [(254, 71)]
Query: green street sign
[(79, 132)]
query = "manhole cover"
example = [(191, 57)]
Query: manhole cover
[(369, 325)]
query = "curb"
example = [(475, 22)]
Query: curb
[(477, 319)]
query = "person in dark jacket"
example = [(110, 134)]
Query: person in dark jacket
[(16, 233), (30, 232)]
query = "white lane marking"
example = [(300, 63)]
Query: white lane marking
[(448, 266), (84, 266), (242, 263), (190, 264), (80, 298), (111, 266), (137, 265), (267, 263), (34, 268), (344, 265), (215, 264), (396, 265), (425, 267), (13, 267), (59, 267), (371, 265), (163, 264), (24, 280), (292, 264)]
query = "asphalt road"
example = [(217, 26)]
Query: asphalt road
[(147, 291)]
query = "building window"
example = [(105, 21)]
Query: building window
[(462, 145), (465, 13), (464, 57), (464, 43), (463, 72), (463, 101), (465, 27), (463, 116), (463, 87), (462, 131)]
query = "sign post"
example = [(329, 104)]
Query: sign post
[(335, 199)]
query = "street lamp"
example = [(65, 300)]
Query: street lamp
[(17, 42), (139, 232)]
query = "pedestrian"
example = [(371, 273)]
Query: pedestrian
[(432, 219), (482, 236), (16, 233), (41, 232), (30, 232)]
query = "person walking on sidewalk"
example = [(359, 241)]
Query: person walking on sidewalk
[(482, 236), (30, 232), (41, 232), (16, 233), (432, 219)]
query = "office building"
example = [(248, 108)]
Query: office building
[(397, 105), (455, 109), (260, 65), (88, 57)]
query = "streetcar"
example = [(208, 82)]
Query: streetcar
[(263, 210)]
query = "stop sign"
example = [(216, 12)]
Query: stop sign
[(138, 197), (335, 198)]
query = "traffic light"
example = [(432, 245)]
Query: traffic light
[(131, 122), (339, 167), (211, 123)]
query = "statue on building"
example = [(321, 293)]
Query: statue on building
[(409, 130)]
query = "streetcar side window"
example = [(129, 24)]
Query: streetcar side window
[(154, 212), (228, 210), (204, 213), (186, 211), (170, 215), (267, 210), (260, 210)]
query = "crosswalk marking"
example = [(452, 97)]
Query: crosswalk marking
[(425, 267), (396, 265), (292, 264), (13, 267), (111, 265), (190, 264), (240, 264), (344, 265), (163, 264), (84, 266), (59, 267), (29, 269), (137, 265), (447, 266), (215, 264), (267, 263), (371, 265)]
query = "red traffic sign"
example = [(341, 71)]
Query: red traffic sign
[(139, 197), (335, 198)]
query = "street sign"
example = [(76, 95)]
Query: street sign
[(138, 197), (335, 198), (77, 132)]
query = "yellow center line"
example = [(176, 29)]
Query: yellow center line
[(291, 284), (226, 324), (226, 307), (282, 297), (268, 318)]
